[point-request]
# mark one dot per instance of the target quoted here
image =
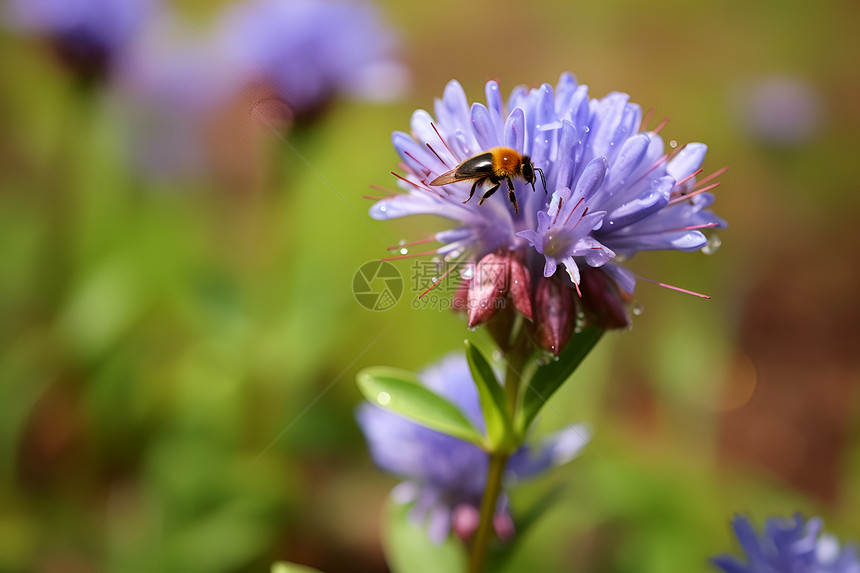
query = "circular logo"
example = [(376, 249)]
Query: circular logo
[(377, 285)]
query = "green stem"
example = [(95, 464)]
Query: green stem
[(498, 460), (488, 511)]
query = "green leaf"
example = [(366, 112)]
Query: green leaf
[(549, 377), (401, 392), (284, 567), (493, 398), (409, 550)]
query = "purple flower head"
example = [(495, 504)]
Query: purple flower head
[(445, 476), (169, 84), (311, 50), (612, 189), (779, 110), (87, 34), (789, 546)]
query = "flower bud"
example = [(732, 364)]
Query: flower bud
[(604, 303), (555, 313)]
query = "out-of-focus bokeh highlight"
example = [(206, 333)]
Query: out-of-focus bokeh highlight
[(182, 217)]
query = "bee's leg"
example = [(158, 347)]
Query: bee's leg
[(511, 196), (489, 192), (474, 185)]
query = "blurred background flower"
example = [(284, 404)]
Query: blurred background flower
[(780, 110), (310, 51), (790, 546), (446, 476), (87, 35)]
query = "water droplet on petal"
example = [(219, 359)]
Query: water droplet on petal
[(383, 208), (404, 251), (383, 398), (713, 245), (673, 144), (637, 309)]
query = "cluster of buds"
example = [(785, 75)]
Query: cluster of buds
[(500, 287)]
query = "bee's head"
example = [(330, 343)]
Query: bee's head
[(529, 170)]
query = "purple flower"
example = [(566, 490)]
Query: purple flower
[(311, 50), (445, 476), (169, 86), (789, 546), (780, 110), (612, 189), (87, 34)]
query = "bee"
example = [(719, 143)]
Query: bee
[(496, 165)]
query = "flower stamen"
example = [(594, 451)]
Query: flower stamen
[(408, 256), (688, 177), (716, 173), (671, 287), (419, 241), (680, 198), (647, 119), (442, 139), (430, 147), (660, 125), (438, 281)]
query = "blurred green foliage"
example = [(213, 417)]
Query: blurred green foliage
[(177, 357)]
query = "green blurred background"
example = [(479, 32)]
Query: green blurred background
[(177, 355)]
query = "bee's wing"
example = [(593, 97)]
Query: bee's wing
[(449, 177)]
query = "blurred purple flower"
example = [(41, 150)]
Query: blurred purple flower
[(87, 34), (789, 546), (612, 190), (446, 476), (308, 51), (168, 84), (779, 110)]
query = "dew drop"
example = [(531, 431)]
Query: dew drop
[(673, 144), (383, 208), (383, 398), (404, 251), (637, 309), (713, 245)]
